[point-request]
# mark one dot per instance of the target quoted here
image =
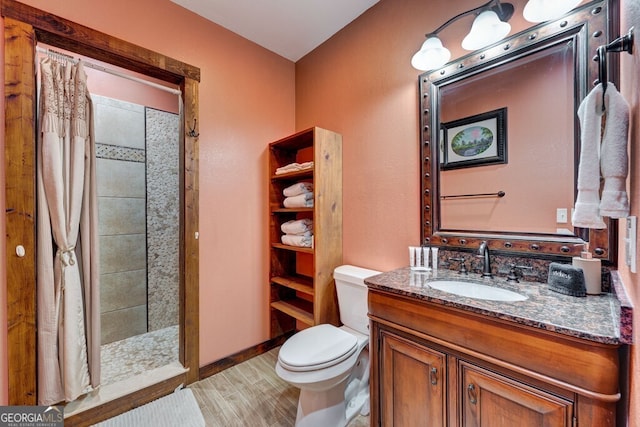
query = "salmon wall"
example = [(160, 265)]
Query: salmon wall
[(360, 83), (247, 100)]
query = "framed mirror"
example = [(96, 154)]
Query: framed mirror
[(500, 141)]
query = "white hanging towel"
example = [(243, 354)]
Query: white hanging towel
[(586, 212), (614, 159)]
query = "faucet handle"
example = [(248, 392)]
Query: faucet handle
[(513, 276), (463, 267)]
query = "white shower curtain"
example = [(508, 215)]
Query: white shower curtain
[(68, 294)]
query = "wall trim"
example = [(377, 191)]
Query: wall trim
[(242, 356)]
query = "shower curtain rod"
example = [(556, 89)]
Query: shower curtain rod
[(55, 54)]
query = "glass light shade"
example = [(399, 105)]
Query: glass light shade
[(487, 29), (547, 10), (432, 55)]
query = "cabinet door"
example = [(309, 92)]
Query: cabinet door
[(412, 386), (491, 400)]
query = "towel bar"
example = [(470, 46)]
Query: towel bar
[(621, 44), (457, 196)]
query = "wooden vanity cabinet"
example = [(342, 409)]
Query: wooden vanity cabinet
[(489, 399), (441, 366), (413, 380)]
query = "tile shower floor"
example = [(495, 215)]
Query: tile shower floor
[(135, 355)]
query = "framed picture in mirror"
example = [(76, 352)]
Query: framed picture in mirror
[(475, 141)]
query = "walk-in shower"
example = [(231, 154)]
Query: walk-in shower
[(137, 164)]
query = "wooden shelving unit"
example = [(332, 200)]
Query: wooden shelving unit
[(302, 290)]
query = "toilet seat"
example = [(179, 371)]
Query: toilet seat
[(316, 348)]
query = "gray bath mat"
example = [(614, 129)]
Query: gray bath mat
[(177, 409)]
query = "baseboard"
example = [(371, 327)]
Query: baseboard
[(241, 356)]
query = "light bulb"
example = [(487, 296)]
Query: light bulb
[(432, 55), (487, 29), (547, 10)]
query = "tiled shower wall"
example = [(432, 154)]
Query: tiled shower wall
[(138, 226), (163, 207)]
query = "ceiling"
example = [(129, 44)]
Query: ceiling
[(290, 28)]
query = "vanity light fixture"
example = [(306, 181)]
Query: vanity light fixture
[(546, 10), (431, 55), (486, 29), (489, 26)]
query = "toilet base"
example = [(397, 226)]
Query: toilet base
[(341, 403), (329, 408)]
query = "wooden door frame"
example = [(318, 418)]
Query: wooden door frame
[(24, 27)]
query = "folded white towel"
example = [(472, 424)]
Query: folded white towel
[(303, 234), (294, 167), (613, 155), (586, 210), (298, 188), (304, 200), (298, 226), (300, 241), (291, 167), (306, 165)]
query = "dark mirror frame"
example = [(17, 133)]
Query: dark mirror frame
[(587, 28)]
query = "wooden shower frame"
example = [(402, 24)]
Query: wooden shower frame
[(24, 27)]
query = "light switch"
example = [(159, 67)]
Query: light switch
[(630, 243), (561, 215)]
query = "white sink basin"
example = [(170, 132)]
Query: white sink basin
[(476, 290)]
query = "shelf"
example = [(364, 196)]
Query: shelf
[(298, 283), (292, 248), (296, 308), (301, 290), (291, 210), (307, 173)]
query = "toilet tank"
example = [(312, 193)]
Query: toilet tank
[(352, 296)]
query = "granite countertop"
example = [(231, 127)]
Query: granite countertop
[(594, 318)]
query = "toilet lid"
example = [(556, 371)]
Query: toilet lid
[(316, 348)]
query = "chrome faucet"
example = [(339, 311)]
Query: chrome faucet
[(483, 252)]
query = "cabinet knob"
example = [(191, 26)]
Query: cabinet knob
[(471, 392), (433, 376)]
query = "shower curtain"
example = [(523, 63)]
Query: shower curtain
[(68, 294)]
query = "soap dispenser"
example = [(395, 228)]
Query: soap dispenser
[(591, 268)]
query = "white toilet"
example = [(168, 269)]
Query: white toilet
[(330, 365)]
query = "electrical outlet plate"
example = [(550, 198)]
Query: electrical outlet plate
[(561, 215), (630, 243)]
